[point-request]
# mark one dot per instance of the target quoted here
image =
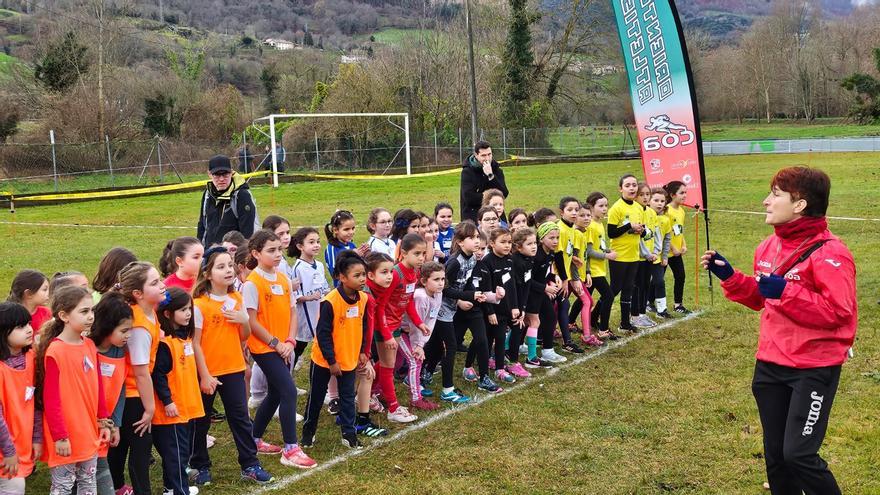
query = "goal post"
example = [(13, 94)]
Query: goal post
[(273, 118)]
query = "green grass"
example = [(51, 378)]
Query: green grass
[(668, 413), (6, 64), (783, 129), (17, 38), (397, 36)]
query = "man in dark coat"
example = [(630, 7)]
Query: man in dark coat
[(479, 173), (227, 204)]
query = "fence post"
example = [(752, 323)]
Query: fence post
[(109, 160), (436, 158), (317, 152), (524, 141), (54, 163), (504, 142), (159, 159), (460, 156), (247, 158)]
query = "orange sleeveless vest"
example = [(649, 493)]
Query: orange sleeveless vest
[(113, 372), (273, 311), (183, 380), (17, 397), (78, 378), (348, 331), (140, 320), (220, 342)]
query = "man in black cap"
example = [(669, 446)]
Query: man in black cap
[(227, 204)]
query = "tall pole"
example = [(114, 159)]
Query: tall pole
[(472, 69), (272, 150)]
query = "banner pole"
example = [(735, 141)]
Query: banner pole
[(697, 258), (711, 284)]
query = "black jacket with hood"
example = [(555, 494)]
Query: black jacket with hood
[(474, 182), (225, 211)]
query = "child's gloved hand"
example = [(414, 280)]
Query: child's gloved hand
[(771, 286)]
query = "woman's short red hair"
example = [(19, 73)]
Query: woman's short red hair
[(809, 184)]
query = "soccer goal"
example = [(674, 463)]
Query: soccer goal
[(356, 125)]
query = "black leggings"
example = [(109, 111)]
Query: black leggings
[(232, 392), (441, 348), (136, 448), (602, 311), (640, 292), (677, 266), (658, 284), (495, 340), (794, 405), (547, 315), (281, 395), (623, 278), (562, 307), (479, 347), (513, 342)]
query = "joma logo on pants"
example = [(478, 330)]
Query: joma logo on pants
[(813, 414)]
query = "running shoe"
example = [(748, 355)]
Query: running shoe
[(257, 474), (426, 392), (651, 307), (505, 376), (488, 385), (664, 314), (301, 392), (424, 405), (201, 478), (333, 407), (125, 490), (491, 363), (551, 356), (455, 397), (217, 417), (469, 374), (307, 439), (402, 415), (572, 348), (524, 349), (210, 441), (370, 429), (680, 309), (630, 329), (376, 404), (254, 403), (427, 377), (295, 457), (169, 491), (267, 448), (538, 363), (517, 370), (592, 341), (351, 441)]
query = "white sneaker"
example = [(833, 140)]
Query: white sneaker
[(402, 415), (551, 356), (193, 490), (299, 364), (301, 391), (254, 403), (299, 417), (523, 349), (210, 441)]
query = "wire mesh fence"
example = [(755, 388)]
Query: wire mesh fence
[(61, 166)]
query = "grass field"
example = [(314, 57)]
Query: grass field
[(670, 412)]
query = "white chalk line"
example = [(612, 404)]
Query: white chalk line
[(852, 219), (480, 399)]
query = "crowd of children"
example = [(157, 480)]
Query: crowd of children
[(94, 379)]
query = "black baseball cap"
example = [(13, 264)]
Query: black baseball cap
[(219, 163)]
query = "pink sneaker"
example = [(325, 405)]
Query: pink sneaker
[(376, 405), (125, 490), (592, 340), (518, 371), (267, 448), (297, 458), (424, 405), (491, 363)]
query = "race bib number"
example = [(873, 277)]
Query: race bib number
[(625, 221), (569, 248), (29, 393), (229, 305), (505, 278), (410, 288), (476, 281), (602, 244), (107, 369), (352, 312), (527, 276), (188, 349), (277, 289), (447, 244), (318, 279), (88, 365), (677, 229), (433, 313)]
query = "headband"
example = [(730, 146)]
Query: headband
[(210, 252), (546, 228)]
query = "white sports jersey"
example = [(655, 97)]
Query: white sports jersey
[(386, 246), (313, 280)]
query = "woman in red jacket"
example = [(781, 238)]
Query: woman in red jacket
[(804, 280)]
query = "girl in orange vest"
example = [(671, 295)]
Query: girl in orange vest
[(21, 425), (176, 383), (75, 414), (110, 334), (221, 325), (272, 317), (143, 289), (341, 348)]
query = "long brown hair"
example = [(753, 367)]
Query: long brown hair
[(109, 268), (203, 284), (66, 300)]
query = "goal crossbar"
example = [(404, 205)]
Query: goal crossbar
[(273, 117)]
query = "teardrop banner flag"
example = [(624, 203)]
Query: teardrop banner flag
[(663, 98)]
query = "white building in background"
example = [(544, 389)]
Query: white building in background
[(279, 44)]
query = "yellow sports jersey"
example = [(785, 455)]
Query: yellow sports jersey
[(566, 246), (580, 244), (595, 235), (664, 227), (676, 218), (650, 226), (623, 214)]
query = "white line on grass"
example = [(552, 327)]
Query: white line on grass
[(480, 399), (854, 219)]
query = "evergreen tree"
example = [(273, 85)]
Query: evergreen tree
[(517, 64), (61, 66)]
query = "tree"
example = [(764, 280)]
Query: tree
[(308, 40), (9, 118), (517, 63), (63, 64), (162, 115), (269, 77), (866, 107)]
